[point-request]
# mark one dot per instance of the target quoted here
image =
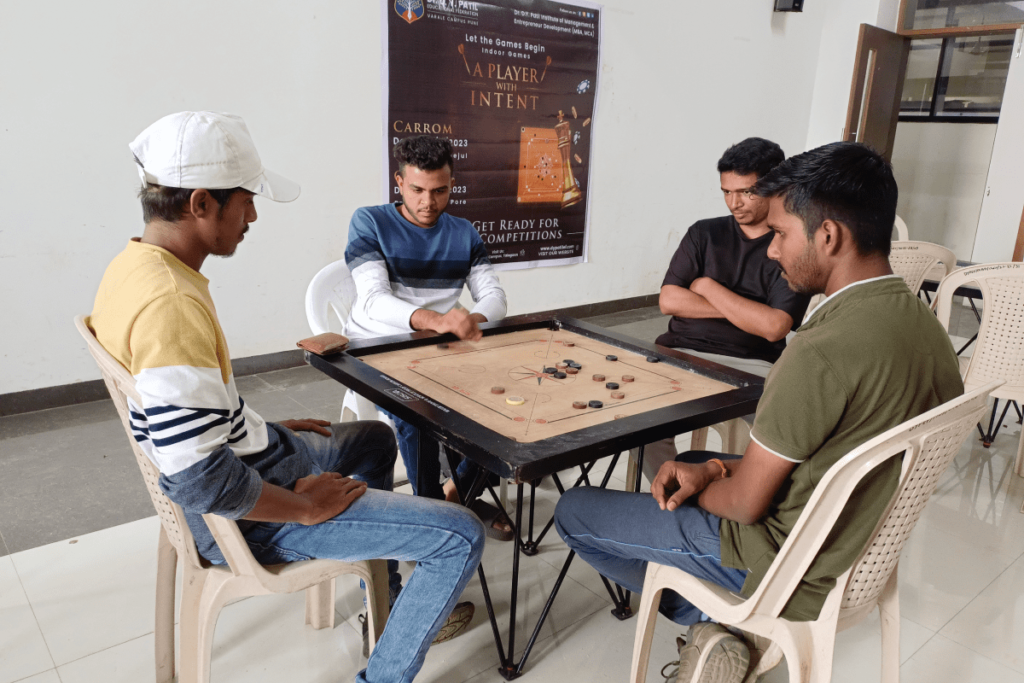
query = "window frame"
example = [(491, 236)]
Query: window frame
[(960, 31), (947, 41)]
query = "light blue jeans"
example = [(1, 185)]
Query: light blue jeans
[(445, 540), (618, 533), (409, 445)]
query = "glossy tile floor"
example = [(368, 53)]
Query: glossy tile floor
[(77, 571)]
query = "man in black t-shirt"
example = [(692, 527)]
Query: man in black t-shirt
[(727, 299)]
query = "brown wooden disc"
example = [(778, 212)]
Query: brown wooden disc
[(618, 394), (598, 378), (628, 378), (497, 390)]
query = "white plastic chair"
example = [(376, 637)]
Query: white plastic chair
[(929, 442), (913, 261), (207, 588), (901, 229), (999, 350), (332, 290)]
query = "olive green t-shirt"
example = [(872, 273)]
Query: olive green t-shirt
[(871, 357)]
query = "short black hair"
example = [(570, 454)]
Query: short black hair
[(160, 202), (753, 155), (846, 182), (425, 152)]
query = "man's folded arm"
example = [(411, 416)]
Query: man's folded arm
[(750, 316), (683, 303)]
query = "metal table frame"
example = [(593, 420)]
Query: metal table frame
[(528, 462)]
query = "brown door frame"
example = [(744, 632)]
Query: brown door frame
[(1018, 249), (874, 104)]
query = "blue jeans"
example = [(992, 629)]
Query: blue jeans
[(409, 445), (618, 533), (445, 540)]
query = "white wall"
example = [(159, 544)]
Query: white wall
[(941, 170), (835, 58), (80, 81), (1001, 209)]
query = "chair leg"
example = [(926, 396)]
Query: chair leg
[(188, 624), (204, 593), (631, 467), (1018, 464), (889, 611), (377, 600), (699, 439), (320, 605), (735, 436), (166, 568), (647, 615)]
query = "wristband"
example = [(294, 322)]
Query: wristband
[(725, 470)]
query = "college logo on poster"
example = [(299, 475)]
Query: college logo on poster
[(410, 10)]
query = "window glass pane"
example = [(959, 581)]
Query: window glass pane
[(974, 76), (949, 13), (919, 82)]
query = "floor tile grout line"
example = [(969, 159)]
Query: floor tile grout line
[(31, 607), (969, 603), (102, 649), (38, 673)]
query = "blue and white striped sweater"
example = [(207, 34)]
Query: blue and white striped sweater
[(399, 267)]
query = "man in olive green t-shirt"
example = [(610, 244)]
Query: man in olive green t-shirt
[(870, 357)]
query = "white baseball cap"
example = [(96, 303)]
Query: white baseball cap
[(202, 149)]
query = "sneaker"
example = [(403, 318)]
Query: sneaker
[(710, 654), (455, 625), (765, 655)]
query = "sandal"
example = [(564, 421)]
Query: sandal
[(490, 516)]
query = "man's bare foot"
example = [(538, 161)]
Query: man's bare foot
[(498, 523), (451, 494)]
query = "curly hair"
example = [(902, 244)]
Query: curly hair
[(425, 152)]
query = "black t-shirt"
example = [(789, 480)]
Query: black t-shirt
[(718, 249)]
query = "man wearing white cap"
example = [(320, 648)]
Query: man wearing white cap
[(299, 489)]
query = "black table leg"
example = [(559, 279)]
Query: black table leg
[(428, 469), (993, 426), (620, 596)]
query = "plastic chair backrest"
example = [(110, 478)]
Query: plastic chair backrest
[(999, 350), (929, 442), (121, 385), (331, 289), (902, 234), (912, 261)]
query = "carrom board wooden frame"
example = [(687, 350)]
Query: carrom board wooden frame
[(433, 411)]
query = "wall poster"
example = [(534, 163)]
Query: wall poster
[(513, 85)]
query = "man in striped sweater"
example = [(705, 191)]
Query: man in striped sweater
[(410, 261), (299, 489)]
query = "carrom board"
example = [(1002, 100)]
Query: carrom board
[(446, 392), (463, 375)]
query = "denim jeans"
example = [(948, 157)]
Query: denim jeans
[(445, 540), (409, 445), (618, 533)]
